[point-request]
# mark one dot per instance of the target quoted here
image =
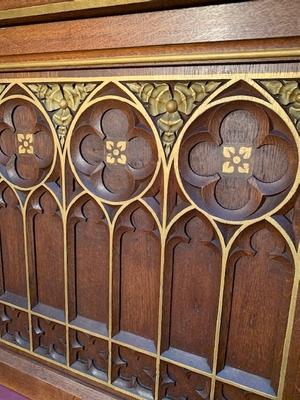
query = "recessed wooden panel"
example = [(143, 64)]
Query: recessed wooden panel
[(191, 291), (136, 277), (49, 339), (12, 261), (133, 371), (179, 383), (88, 258), (227, 392), (14, 326), (257, 296), (46, 255), (88, 354)]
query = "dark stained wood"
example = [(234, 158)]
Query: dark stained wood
[(136, 266), (13, 272), (257, 294), (292, 380), (45, 249), (191, 290), (88, 245)]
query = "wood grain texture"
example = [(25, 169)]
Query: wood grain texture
[(230, 22)]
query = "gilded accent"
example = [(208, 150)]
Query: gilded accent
[(170, 106), (116, 151), (236, 161), (288, 95), (62, 157), (25, 143), (62, 101), (2, 87)]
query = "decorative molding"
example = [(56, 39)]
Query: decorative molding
[(62, 101), (170, 105), (287, 93)]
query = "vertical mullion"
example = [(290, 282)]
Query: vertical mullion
[(110, 297), (23, 210), (225, 251)]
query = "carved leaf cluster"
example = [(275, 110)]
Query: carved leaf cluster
[(288, 95), (170, 105), (62, 101)]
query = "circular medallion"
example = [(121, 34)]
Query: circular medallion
[(26, 143), (113, 150), (238, 161)]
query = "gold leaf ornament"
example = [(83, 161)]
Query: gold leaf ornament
[(288, 94), (168, 105), (62, 101)]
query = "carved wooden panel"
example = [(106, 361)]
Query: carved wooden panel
[(136, 264), (256, 302), (133, 371), (14, 326), (88, 354), (88, 249), (149, 232), (13, 269), (178, 383), (45, 249), (192, 279)]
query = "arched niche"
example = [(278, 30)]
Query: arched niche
[(46, 255), (136, 278), (12, 260), (88, 265), (257, 293), (191, 291)]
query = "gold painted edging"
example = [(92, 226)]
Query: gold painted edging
[(199, 57), (66, 6)]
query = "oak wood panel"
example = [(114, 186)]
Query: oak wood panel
[(191, 288), (256, 302), (136, 263), (13, 269), (234, 21), (46, 260), (88, 245)]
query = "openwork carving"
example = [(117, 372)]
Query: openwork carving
[(113, 150), (133, 371), (26, 144), (14, 326), (178, 383), (238, 147), (171, 104), (62, 101), (89, 354), (288, 95), (49, 339)]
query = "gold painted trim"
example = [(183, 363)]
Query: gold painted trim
[(164, 226), (66, 6), (171, 58)]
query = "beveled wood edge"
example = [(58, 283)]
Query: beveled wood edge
[(36, 381)]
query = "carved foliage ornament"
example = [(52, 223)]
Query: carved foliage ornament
[(171, 104), (288, 95), (62, 101)]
